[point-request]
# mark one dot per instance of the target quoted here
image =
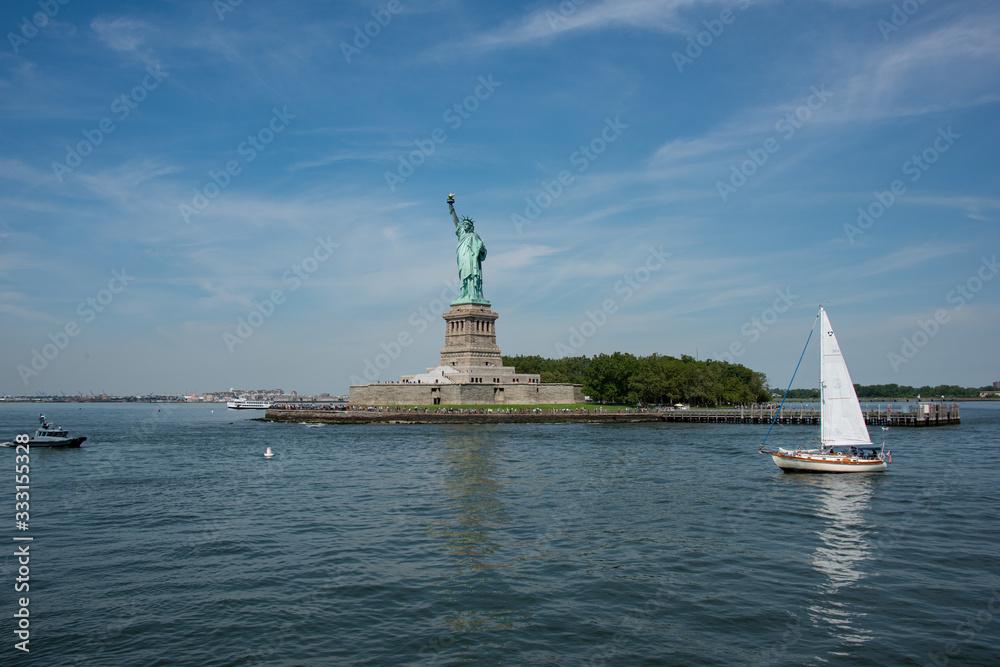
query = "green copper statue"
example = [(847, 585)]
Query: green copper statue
[(471, 252)]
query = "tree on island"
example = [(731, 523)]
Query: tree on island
[(890, 391), (654, 380)]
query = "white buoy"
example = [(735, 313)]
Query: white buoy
[(268, 454)]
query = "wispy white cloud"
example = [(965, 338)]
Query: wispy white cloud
[(915, 74), (23, 313), (558, 20), (905, 258), (16, 170), (120, 34), (134, 38), (976, 208)]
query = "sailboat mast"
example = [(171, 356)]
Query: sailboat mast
[(777, 415)]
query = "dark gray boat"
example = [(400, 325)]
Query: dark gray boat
[(48, 435)]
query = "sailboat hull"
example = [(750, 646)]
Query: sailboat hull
[(826, 463)]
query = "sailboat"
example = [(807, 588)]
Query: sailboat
[(845, 445)]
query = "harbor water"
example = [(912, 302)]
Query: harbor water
[(169, 539)]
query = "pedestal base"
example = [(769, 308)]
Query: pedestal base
[(470, 338)]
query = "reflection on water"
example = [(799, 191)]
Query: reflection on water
[(844, 557), (471, 485), (472, 534)]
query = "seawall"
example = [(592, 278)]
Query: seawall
[(938, 415), (413, 417)]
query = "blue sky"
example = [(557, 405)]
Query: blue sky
[(677, 176)]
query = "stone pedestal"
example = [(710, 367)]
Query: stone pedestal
[(470, 338)]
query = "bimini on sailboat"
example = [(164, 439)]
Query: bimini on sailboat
[(845, 445)]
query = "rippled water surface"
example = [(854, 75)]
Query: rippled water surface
[(168, 539)]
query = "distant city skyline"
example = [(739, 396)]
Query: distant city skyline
[(201, 194)]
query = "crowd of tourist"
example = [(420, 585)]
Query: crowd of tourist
[(596, 408)]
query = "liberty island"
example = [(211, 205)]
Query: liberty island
[(470, 370)]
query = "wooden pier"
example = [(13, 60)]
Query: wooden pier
[(925, 414)]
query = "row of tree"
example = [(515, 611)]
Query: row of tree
[(654, 380), (662, 380), (872, 391)]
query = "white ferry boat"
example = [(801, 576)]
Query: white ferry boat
[(247, 404)]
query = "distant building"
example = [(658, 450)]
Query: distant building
[(996, 385)]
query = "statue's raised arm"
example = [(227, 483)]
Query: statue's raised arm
[(451, 207)]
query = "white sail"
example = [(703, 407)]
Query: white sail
[(842, 421)]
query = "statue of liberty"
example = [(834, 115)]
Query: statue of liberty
[(470, 253)]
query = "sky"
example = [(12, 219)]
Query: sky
[(203, 195)]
